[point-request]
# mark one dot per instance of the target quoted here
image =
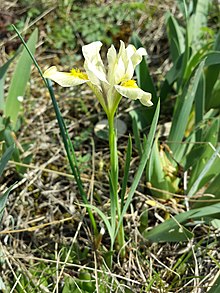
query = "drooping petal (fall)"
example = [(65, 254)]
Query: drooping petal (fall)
[(130, 90), (66, 79)]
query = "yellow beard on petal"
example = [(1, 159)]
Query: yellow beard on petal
[(77, 73), (129, 83)]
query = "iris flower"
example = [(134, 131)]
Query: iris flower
[(109, 83)]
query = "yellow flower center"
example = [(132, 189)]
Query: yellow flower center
[(129, 83), (78, 73)]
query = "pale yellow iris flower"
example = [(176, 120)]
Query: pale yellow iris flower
[(109, 83)]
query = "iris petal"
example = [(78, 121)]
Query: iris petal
[(93, 63), (135, 93), (65, 79)]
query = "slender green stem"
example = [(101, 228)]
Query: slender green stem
[(71, 154), (113, 155), (115, 204)]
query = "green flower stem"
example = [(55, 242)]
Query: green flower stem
[(71, 154), (115, 204)]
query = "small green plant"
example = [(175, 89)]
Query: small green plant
[(108, 87), (91, 22)]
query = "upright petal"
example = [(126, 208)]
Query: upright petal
[(121, 49), (91, 52), (130, 50), (120, 70), (66, 79), (112, 62), (130, 58), (137, 56), (93, 63)]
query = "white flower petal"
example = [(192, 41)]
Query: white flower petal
[(119, 72), (121, 49), (93, 63), (141, 51), (112, 62), (129, 70), (137, 56), (92, 76), (130, 58), (93, 71), (65, 79), (130, 50), (91, 52), (135, 93)]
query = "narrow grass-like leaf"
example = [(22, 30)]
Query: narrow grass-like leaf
[(3, 70), (175, 37), (212, 76), (126, 170), (200, 105), (7, 136), (182, 111), (213, 58), (207, 167), (172, 75), (212, 80), (142, 165), (3, 200), (5, 158), (196, 59), (216, 46), (182, 6), (214, 101), (213, 188), (212, 193), (156, 174), (171, 231), (201, 153), (19, 80), (136, 133), (104, 218), (186, 54), (154, 171), (197, 21)]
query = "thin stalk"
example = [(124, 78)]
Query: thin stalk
[(115, 204), (71, 155), (64, 134)]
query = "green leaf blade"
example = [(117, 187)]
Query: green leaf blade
[(19, 80), (182, 111)]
